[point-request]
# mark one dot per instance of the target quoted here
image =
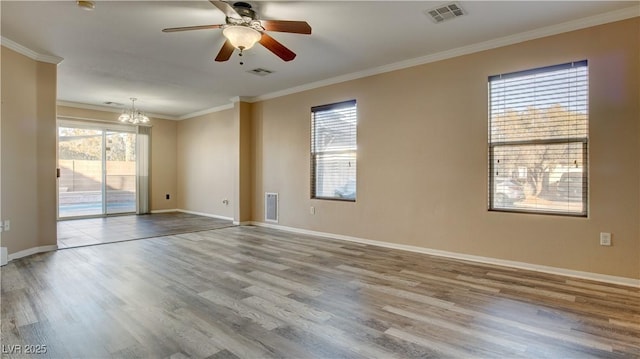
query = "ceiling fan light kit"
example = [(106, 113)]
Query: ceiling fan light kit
[(242, 30), (241, 37)]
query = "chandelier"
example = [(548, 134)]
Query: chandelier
[(132, 115)]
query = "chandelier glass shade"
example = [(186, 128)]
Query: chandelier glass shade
[(241, 37), (133, 115)]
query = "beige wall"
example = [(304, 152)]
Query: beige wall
[(207, 153), (28, 151), (164, 162), (163, 154), (243, 180), (422, 152), (422, 157)]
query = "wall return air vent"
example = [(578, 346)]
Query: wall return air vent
[(271, 207), (444, 12)]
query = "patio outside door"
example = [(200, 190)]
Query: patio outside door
[(97, 171)]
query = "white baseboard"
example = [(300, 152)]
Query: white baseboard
[(163, 211), (34, 250), (196, 213), (4, 257), (245, 223), (631, 282), (205, 214)]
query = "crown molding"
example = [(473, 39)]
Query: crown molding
[(10, 44), (88, 107), (241, 99), (208, 110), (109, 109), (227, 106), (618, 15)]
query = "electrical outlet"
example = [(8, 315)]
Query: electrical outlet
[(605, 239), (6, 226), (167, 196), (225, 202), (312, 210)]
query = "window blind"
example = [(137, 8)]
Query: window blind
[(333, 151), (538, 137)]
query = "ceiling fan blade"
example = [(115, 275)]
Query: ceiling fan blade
[(296, 27), (227, 9), (277, 48), (225, 52), (189, 28)]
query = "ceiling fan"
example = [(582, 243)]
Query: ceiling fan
[(243, 29)]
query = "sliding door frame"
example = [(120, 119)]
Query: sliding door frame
[(104, 127)]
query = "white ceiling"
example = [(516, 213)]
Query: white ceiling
[(118, 50)]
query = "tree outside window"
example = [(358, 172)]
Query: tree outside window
[(538, 138)]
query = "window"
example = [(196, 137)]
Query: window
[(333, 151), (538, 137)]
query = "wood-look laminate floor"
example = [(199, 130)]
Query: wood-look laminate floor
[(89, 231), (259, 293)]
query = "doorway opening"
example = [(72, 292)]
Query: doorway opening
[(97, 170)]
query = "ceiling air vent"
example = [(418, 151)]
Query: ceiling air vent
[(445, 12), (111, 103), (260, 72)]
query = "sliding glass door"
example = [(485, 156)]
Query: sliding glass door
[(97, 170), (120, 172), (80, 179)]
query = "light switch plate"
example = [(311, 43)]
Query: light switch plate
[(605, 239)]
